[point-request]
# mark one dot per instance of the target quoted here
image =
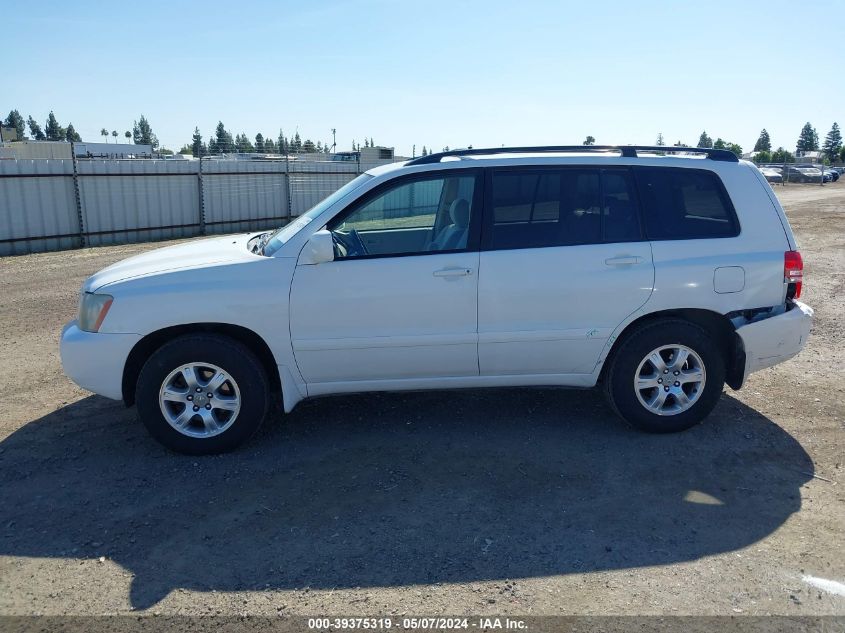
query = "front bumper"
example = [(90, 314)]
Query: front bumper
[(95, 361), (776, 339)]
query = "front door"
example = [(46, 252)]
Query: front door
[(399, 301)]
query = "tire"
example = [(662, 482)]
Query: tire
[(631, 362), (180, 414)]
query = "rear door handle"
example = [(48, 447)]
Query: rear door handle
[(453, 272), (624, 260)]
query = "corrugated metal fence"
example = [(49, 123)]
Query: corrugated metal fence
[(58, 204)]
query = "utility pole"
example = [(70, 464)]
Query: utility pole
[(77, 196), (201, 192), (334, 140)]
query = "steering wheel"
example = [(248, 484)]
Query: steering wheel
[(348, 244), (340, 249)]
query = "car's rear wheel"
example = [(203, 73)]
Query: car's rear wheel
[(666, 376), (202, 393)]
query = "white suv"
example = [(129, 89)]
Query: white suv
[(659, 276)]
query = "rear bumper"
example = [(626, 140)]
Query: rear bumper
[(776, 339), (95, 361)]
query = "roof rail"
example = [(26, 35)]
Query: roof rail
[(628, 151)]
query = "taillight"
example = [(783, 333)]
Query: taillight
[(793, 273)]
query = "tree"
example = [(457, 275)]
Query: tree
[(165, 152), (424, 151), (196, 143), (808, 140), (53, 130), (735, 148), (842, 155), (142, 133), (242, 144), (187, 150), (372, 144), (269, 146), (128, 136), (296, 143), (660, 140), (832, 143), (35, 129), (680, 144), (224, 142), (308, 146), (590, 140), (104, 132), (719, 144), (16, 121), (114, 134), (705, 141), (259, 143), (212, 146), (764, 143), (780, 155), (71, 135), (762, 156)]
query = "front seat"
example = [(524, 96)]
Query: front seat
[(454, 236)]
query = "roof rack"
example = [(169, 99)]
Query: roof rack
[(627, 151)]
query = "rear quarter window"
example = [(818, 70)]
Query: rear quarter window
[(680, 204)]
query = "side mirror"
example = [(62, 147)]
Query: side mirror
[(319, 249)]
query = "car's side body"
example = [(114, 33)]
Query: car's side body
[(471, 317)]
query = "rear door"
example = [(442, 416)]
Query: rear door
[(563, 263)]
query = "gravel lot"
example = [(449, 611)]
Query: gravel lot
[(519, 501)]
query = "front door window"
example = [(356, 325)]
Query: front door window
[(430, 215)]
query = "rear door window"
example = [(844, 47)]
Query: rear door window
[(560, 207), (532, 209), (681, 204), (620, 213)]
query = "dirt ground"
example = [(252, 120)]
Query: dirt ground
[(518, 501)]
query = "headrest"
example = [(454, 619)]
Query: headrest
[(459, 212)]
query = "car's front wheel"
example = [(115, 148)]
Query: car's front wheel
[(666, 376), (201, 394)]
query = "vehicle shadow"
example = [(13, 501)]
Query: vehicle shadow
[(396, 489)]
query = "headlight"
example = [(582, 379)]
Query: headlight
[(92, 310)]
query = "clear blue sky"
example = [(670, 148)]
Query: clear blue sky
[(431, 73)]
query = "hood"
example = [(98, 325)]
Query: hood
[(198, 254)]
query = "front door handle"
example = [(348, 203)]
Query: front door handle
[(624, 260), (453, 272)]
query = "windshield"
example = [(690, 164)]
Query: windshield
[(280, 236)]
